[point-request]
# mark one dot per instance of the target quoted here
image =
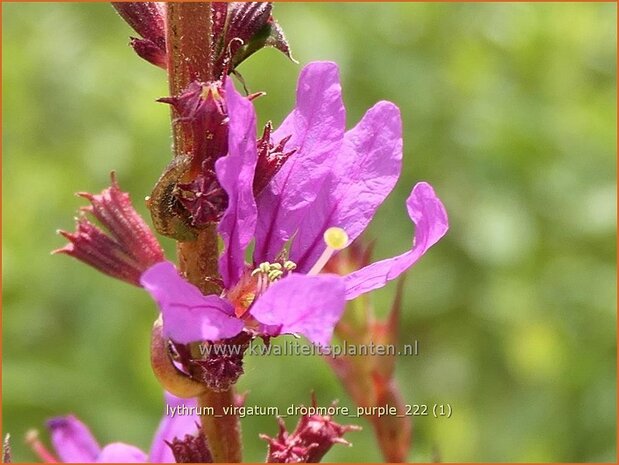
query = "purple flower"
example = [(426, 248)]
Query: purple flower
[(320, 200), (74, 443)]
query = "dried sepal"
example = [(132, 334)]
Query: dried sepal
[(219, 363), (201, 106), (204, 198), (192, 448), (271, 157), (312, 438)]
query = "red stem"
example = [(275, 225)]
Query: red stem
[(188, 38)]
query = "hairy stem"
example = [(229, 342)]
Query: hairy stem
[(198, 260), (188, 40), (189, 58), (226, 429)]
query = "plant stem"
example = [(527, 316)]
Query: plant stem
[(188, 41), (189, 58), (198, 260), (227, 428)]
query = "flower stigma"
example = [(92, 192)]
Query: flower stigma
[(336, 239), (32, 439)]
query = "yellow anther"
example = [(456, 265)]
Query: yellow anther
[(264, 267), (274, 275), (274, 271), (336, 238)]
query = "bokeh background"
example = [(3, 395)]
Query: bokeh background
[(509, 111)]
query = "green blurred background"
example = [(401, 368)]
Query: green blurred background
[(509, 111)]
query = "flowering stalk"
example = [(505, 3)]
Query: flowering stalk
[(189, 37), (302, 192), (370, 381)]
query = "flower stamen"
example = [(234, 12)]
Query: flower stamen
[(268, 273), (263, 268), (335, 239), (290, 266), (274, 275)]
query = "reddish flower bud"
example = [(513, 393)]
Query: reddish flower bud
[(242, 28), (148, 20), (150, 52), (393, 432), (239, 29), (311, 440), (125, 248)]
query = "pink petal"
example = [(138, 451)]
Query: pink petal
[(236, 174), (309, 305), (172, 427), (118, 452), (188, 316), (365, 171), (316, 127), (72, 440), (430, 218)]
